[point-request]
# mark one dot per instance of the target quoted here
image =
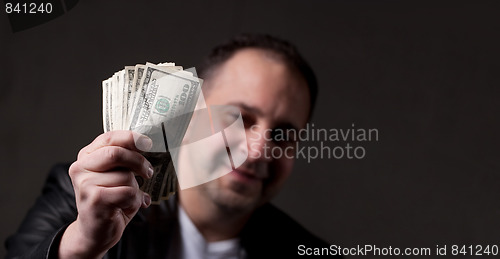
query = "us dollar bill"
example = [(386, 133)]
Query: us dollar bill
[(157, 101), (170, 98), (150, 72), (116, 107), (138, 72), (158, 183), (106, 123), (129, 79)]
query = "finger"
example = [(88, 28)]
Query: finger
[(124, 197), (112, 157), (87, 181), (122, 138)]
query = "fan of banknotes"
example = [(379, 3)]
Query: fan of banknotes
[(156, 100)]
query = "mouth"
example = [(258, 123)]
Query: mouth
[(245, 176)]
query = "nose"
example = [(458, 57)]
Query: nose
[(259, 143)]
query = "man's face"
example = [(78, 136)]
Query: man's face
[(269, 96)]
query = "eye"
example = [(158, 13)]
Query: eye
[(248, 119), (230, 117), (282, 137), (224, 116)]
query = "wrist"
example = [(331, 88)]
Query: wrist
[(75, 245)]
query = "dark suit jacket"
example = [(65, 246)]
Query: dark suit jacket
[(268, 234)]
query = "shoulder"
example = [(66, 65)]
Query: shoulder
[(39, 232)]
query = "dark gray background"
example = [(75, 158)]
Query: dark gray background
[(424, 73)]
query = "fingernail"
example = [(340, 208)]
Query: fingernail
[(143, 143), (150, 172), (148, 167), (147, 199)]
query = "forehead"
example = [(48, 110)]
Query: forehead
[(261, 80)]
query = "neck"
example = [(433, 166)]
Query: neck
[(213, 222)]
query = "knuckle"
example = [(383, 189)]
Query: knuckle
[(138, 201), (107, 138), (128, 198), (85, 196), (134, 183), (129, 193), (130, 136), (83, 183), (113, 154), (143, 161), (131, 179), (74, 169), (81, 153), (95, 196)]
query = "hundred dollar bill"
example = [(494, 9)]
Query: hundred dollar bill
[(116, 107), (138, 72), (157, 183), (128, 80), (136, 83), (105, 106), (149, 72), (169, 101), (123, 97), (157, 101)]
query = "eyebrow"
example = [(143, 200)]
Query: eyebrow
[(248, 108), (286, 126), (280, 125)]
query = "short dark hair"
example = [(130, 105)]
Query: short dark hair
[(288, 52)]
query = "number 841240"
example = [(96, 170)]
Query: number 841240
[(28, 8)]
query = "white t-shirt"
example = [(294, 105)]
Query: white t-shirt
[(193, 245)]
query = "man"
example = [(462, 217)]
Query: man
[(229, 217)]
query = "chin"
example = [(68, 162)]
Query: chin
[(234, 197)]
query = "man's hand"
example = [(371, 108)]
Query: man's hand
[(107, 194)]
